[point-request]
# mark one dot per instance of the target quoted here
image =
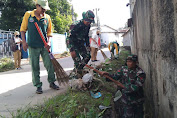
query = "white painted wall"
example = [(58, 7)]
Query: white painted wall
[(126, 39), (58, 43), (108, 35)]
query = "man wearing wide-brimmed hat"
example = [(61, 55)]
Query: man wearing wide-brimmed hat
[(17, 51), (35, 44)]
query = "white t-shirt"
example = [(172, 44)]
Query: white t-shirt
[(16, 41), (92, 43)]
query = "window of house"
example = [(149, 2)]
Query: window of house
[(5, 36), (1, 35), (9, 36)]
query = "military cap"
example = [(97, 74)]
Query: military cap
[(88, 16), (132, 57)]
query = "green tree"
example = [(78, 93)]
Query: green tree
[(61, 15), (13, 12)]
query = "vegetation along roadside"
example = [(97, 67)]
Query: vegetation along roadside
[(80, 103)]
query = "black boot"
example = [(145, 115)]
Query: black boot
[(54, 86), (39, 90)]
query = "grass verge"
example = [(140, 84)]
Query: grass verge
[(6, 64), (78, 104)]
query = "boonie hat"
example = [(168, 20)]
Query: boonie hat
[(16, 33), (44, 4), (98, 31)]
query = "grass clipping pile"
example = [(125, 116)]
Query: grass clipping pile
[(78, 102)]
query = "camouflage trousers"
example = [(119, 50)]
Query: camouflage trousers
[(133, 111), (85, 54), (129, 111)]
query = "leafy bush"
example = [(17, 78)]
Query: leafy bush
[(6, 64)]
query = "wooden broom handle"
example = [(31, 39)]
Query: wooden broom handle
[(99, 72), (41, 35)]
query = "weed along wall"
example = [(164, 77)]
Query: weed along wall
[(155, 42)]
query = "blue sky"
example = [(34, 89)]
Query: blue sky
[(113, 13)]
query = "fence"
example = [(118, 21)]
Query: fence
[(5, 37)]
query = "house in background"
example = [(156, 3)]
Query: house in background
[(126, 38), (108, 34), (127, 43)]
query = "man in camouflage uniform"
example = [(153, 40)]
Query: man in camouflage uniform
[(133, 78), (78, 41)]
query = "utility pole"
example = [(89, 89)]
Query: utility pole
[(98, 21), (73, 19), (72, 11)]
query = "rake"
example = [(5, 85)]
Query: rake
[(61, 75), (99, 72)]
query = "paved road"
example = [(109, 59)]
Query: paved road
[(17, 90)]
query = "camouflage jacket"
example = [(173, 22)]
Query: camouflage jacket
[(133, 81), (79, 35)]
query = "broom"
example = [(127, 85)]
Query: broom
[(61, 75), (112, 55), (103, 54), (99, 72)]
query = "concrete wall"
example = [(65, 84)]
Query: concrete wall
[(155, 41)]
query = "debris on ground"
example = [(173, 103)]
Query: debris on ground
[(77, 102)]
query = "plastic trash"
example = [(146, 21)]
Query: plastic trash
[(103, 107), (118, 95), (87, 78), (95, 95)]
